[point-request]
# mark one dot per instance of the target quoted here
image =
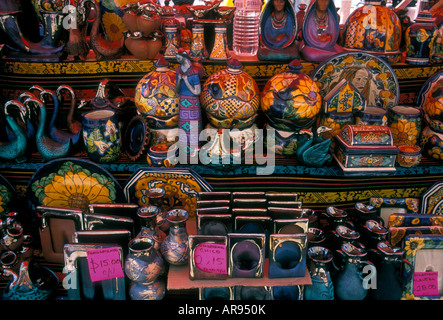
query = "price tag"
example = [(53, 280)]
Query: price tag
[(425, 283), (211, 257), (104, 264)]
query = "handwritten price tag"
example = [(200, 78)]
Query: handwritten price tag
[(425, 283), (211, 257), (104, 264)]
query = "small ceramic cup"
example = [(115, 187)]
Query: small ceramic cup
[(405, 124), (408, 156), (162, 155)]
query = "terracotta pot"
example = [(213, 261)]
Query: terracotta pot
[(148, 24), (141, 48), (130, 19)]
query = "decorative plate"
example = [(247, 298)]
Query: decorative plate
[(8, 196), (182, 186), (430, 99), (72, 183), (372, 76), (432, 200)]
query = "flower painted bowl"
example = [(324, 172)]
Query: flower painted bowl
[(408, 155)]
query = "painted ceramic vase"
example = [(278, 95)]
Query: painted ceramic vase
[(430, 99), (198, 48), (156, 197), (154, 290), (143, 263), (230, 97), (175, 248), (372, 116), (405, 124), (322, 287), (148, 223), (291, 100), (156, 99), (431, 143), (408, 156), (349, 281), (219, 50), (101, 134), (373, 28), (419, 39), (172, 39)]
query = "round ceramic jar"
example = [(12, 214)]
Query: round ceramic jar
[(230, 98), (291, 100), (405, 124)]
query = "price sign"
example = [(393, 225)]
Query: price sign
[(425, 283), (104, 264), (211, 257)]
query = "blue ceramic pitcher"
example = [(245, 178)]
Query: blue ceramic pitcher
[(322, 287)]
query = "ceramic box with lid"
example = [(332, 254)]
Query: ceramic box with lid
[(365, 150)]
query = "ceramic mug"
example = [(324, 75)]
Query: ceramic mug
[(101, 134), (405, 124)]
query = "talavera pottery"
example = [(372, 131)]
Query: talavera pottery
[(430, 99), (405, 123), (431, 143), (291, 100), (408, 156), (387, 206), (414, 220), (230, 98), (373, 28), (373, 116), (77, 276), (432, 199), (208, 258), (372, 76), (344, 98), (397, 234), (181, 184), (72, 183)]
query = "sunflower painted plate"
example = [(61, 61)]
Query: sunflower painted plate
[(372, 76), (72, 183), (181, 185)]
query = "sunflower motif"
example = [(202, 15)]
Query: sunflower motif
[(113, 25), (413, 244), (73, 186), (404, 131)]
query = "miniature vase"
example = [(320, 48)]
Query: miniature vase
[(156, 198), (175, 248), (154, 290), (322, 287), (147, 216)]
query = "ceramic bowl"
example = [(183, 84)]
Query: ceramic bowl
[(162, 155), (408, 155)]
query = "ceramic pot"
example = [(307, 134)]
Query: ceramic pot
[(408, 156), (156, 198), (219, 51), (198, 48), (175, 248), (148, 217), (372, 116), (143, 263), (154, 290), (142, 48), (162, 155), (172, 41), (405, 124), (101, 135), (431, 143), (336, 121), (322, 287)]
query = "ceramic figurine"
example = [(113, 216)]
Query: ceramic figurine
[(74, 126), (48, 148), (32, 119), (278, 27), (16, 148), (320, 31), (312, 149), (373, 28), (188, 89), (322, 287), (103, 48), (175, 248)]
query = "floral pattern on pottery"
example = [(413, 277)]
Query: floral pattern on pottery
[(431, 143), (430, 99), (405, 124), (73, 186)]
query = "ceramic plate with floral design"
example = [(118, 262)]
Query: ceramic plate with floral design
[(72, 183), (181, 185), (372, 76)]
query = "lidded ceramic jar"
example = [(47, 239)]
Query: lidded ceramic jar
[(156, 99), (291, 100), (230, 98), (374, 28)]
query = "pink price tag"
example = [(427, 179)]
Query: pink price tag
[(425, 283), (211, 257), (104, 264)]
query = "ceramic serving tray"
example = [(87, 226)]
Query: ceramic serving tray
[(372, 76), (182, 186), (72, 183)]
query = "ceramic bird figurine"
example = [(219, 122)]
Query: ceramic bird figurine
[(314, 150), (15, 149), (54, 132), (32, 119), (48, 148), (74, 126)]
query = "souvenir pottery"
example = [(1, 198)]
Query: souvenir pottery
[(430, 99), (320, 32), (198, 48), (16, 148), (230, 98), (175, 248), (405, 124), (102, 47), (408, 156), (392, 275), (349, 284), (343, 234), (154, 290), (373, 233), (157, 100), (420, 38), (373, 116), (322, 287), (373, 28), (312, 149), (101, 135), (74, 126), (162, 155), (156, 197), (172, 40), (344, 98), (204, 251), (291, 100), (336, 121), (277, 30), (148, 223), (431, 143), (48, 148), (285, 142), (136, 138)]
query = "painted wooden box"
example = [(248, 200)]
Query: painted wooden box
[(365, 150)]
